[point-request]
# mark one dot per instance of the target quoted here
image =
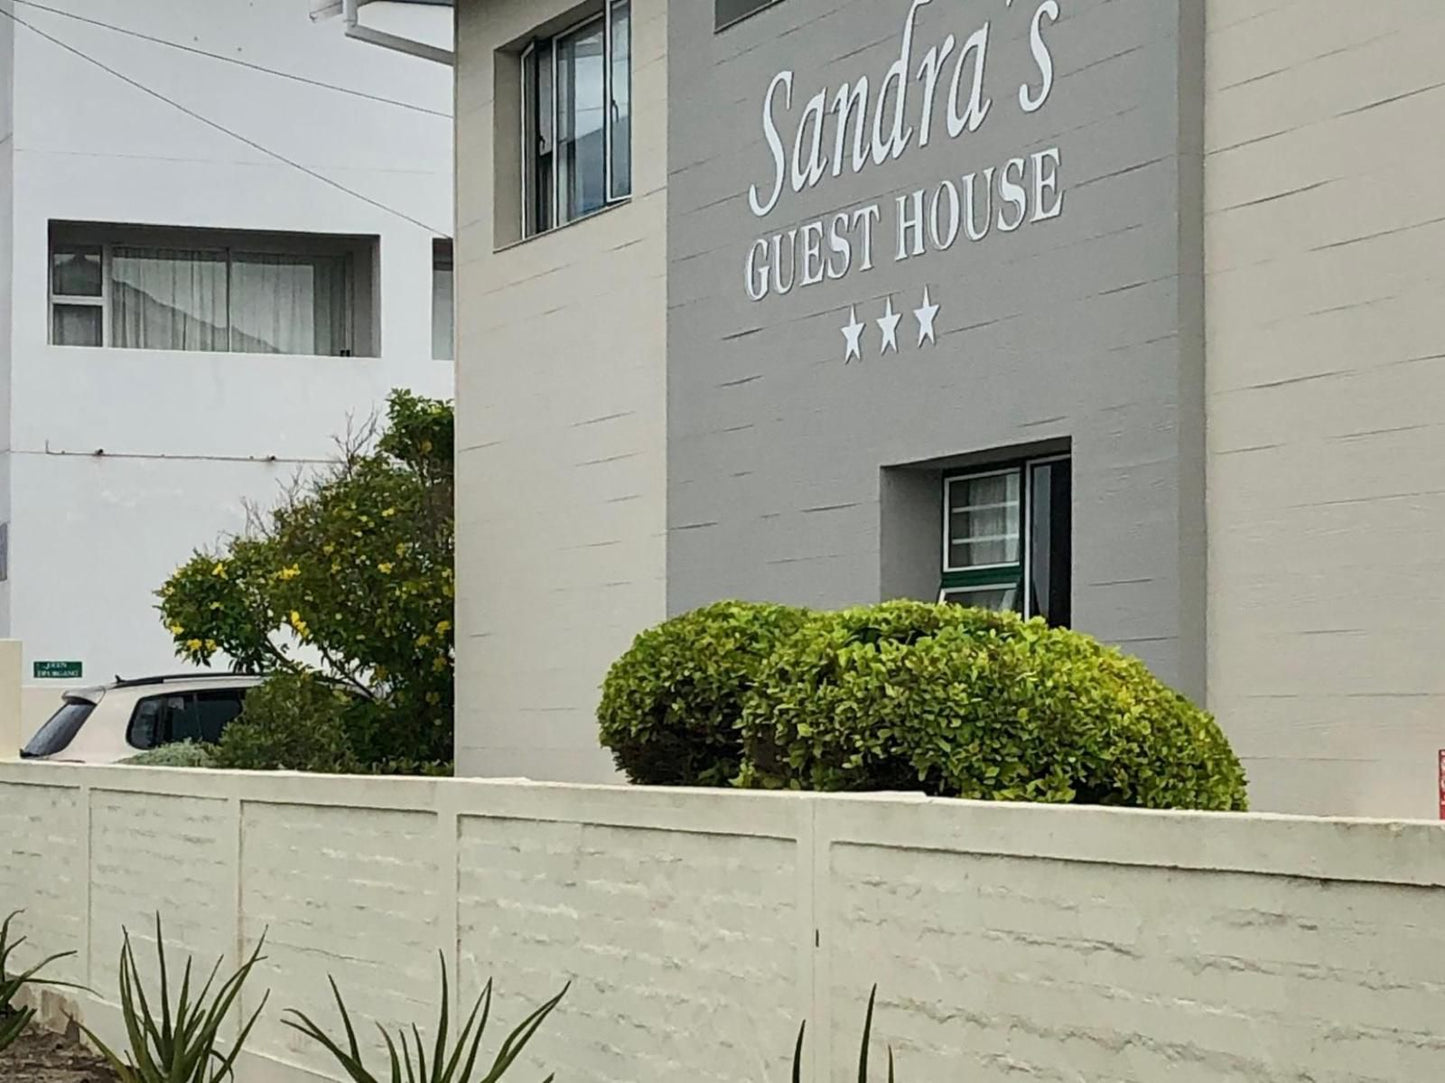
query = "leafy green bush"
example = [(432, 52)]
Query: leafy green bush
[(413, 768), (671, 705), (177, 754), (350, 575), (967, 703), (292, 722), (806, 744)]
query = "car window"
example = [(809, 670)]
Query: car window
[(183, 716), (215, 711), (181, 720), (57, 733), (145, 730)]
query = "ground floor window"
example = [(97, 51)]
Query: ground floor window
[(1008, 539)]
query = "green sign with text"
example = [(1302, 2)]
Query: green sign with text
[(58, 671)]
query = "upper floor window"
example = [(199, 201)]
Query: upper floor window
[(577, 120), (443, 302), (145, 288), (727, 12), (1008, 539)]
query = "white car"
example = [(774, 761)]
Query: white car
[(112, 723)]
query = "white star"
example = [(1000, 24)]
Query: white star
[(925, 316), (889, 326), (853, 335)]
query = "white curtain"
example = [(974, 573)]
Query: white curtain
[(168, 299), (985, 527), (289, 304)]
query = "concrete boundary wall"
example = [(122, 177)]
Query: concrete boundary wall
[(698, 929)]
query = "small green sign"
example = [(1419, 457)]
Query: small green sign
[(58, 671)]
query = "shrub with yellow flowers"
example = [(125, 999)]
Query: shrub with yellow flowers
[(349, 579)]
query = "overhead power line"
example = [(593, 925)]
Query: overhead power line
[(188, 111), (128, 32)]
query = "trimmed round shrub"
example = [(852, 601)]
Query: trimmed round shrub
[(292, 722), (176, 754), (671, 705), (965, 703)]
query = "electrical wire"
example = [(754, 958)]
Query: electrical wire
[(233, 60), (221, 127)]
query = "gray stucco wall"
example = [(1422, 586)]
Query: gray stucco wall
[(1082, 329)]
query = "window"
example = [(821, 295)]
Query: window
[(443, 294), (727, 12), (1007, 539), (55, 736), (202, 290), (577, 120), (183, 716)]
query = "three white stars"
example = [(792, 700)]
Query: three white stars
[(926, 315)]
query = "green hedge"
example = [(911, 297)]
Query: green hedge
[(292, 722), (812, 722), (671, 705), (962, 703), (909, 696), (178, 754)]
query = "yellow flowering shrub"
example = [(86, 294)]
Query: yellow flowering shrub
[(349, 577)]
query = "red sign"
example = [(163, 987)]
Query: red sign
[(1442, 784)]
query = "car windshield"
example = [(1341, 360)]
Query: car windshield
[(55, 736)]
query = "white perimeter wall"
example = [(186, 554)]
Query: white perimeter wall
[(187, 436), (698, 929)]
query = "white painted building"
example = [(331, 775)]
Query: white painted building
[(223, 231)]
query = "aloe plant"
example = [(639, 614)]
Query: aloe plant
[(182, 1046), (14, 1020), (451, 1062), (862, 1052)]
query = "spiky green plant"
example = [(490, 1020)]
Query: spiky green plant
[(14, 1020), (862, 1052), (182, 1046), (451, 1062)]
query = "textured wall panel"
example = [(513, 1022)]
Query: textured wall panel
[(682, 946)]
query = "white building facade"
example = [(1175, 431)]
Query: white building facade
[(224, 232)]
